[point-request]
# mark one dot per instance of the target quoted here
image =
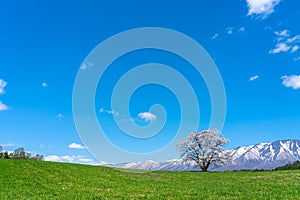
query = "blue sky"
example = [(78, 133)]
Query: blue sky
[(43, 45)]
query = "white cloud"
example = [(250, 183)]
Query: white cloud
[(2, 91), (56, 158), (261, 7), (242, 29), (292, 81), (111, 112), (296, 39), (285, 43), (230, 30), (233, 30), (9, 144), (215, 36), (44, 84), (295, 48), (76, 146), (2, 86), (85, 160), (268, 28), (101, 163), (72, 159), (53, 158), (283, 33), (280, 47), (297, 58), (147, 116), (84, 66), (3, 106), (252, 78), (60, 116)]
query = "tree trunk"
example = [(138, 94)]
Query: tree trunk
[(203, 168)]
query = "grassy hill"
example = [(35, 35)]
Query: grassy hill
[(29, 179)]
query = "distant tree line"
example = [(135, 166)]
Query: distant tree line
[(19, 153), (291, 166)]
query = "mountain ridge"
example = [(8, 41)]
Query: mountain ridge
[(266, 155)]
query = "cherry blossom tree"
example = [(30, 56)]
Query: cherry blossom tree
[(205, 148)]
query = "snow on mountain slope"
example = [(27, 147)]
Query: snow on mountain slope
[(171, 165), (259, 156), (266, 155)]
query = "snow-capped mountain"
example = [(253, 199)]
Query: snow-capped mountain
[(259, 156), (266, 155), (170, 165)]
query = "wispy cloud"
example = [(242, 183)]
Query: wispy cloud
[(110, 112), (44, 84), (9, 144), (84, 66), (280, 47), (2, 91), (242, 29), (295, 48), (297, 58), (76, 146), (2, 86), (285, 43), (283, 33), (261, 8), (235, 30), (3, 106), (296, 39), (229, 30), (215, 36), (268, 28), (147, 116), (60, 116), (252, 78), (292, 81), (70, 159)]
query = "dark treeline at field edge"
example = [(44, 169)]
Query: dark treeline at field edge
[(291, 166), (19, 153)]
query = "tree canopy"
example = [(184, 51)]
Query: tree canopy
[(19, 153), (290, 166), (205, 148)]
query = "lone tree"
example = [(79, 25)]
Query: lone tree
[(20, 153), (205, 148)]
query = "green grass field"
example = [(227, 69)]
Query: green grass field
[(29, 179)]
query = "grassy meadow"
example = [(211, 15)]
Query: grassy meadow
[(30, 179)]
